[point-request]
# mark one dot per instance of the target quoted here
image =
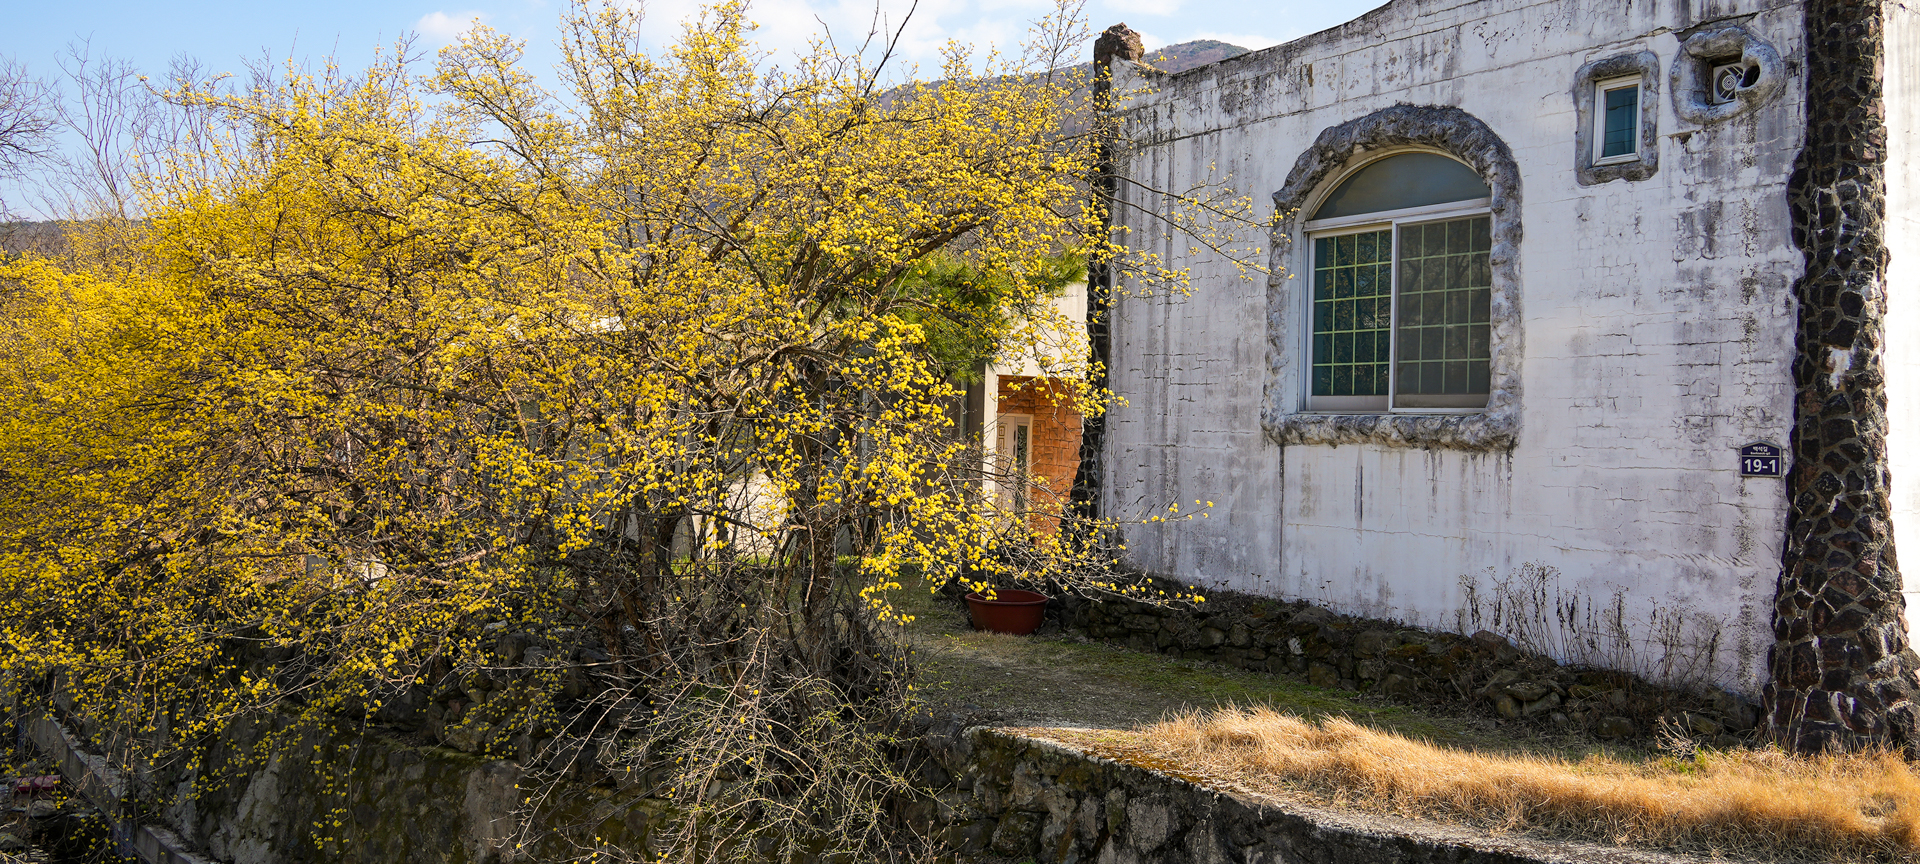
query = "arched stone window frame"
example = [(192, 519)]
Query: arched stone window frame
[(1442, 129)]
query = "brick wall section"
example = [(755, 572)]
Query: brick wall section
[(1054, 448)]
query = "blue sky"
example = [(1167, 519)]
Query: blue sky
[(223, 33)]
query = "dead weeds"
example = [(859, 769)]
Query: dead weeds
[(1760, 804)]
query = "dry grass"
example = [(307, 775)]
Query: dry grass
[(1762, 804)]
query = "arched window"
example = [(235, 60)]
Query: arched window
[(1402, 288)]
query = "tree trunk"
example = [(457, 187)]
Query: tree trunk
[(1084, 501)]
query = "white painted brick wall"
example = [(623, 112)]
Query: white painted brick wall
[(1657, 328), (1903, 281)]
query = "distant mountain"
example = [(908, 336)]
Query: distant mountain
[(47, 239), (1187, 55)]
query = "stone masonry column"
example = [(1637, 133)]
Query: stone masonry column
[(1117, 42), (1842, 673)]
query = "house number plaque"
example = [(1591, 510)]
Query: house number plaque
[(1760, 459)]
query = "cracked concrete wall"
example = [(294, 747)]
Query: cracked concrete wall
[(1656, 332), (1902, 359)]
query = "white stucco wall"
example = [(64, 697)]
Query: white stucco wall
[(1657, 328), (1903, 281)]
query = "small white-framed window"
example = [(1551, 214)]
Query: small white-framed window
[(1616, 121), (1616, 101), (1400, 306)]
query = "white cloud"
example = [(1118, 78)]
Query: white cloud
[(444, 27)]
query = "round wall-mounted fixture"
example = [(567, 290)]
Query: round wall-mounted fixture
[(1723, 72)]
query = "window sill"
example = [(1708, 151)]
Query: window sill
[(1397, 412), (1491, 428)]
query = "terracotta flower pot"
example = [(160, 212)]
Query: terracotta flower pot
[(1010, 611)]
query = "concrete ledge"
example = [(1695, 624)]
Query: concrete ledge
[(1056, 802), (106, 789), (158, 845)]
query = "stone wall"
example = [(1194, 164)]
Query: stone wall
[(1482, 673), (336, 796), (365, 798), (1842, 671), (1028, 798), (357, 796), (345, 792), (345, 797), (427, 780), (98, 805)]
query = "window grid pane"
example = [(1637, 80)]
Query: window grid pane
[(1622, 121), (1352, 315), (1446, 288)]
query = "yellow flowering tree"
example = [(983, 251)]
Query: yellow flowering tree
[(404, 372)]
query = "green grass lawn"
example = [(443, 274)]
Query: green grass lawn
[(1064, 680)]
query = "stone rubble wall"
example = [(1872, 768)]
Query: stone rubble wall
[(355, 794), (1027, 798), (351, 795), (370, 797), (1843, 673), (1483, 672), (357, 797)]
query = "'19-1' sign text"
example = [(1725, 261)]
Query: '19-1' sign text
[(1760, 459)]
